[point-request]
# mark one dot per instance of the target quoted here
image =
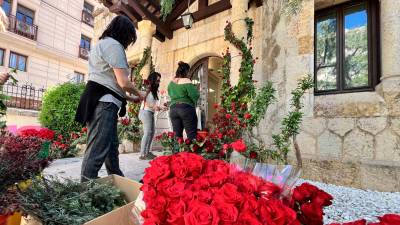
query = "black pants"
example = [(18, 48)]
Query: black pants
[(102, 142), (183, 116)]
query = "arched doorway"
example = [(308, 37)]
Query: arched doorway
[(207, 77)]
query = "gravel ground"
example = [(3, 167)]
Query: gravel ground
[(350, 204)]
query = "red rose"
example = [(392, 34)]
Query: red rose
[(249, 204), (239, 146), (247, 116), (228, 193), (180, 140), (225, 147), (248, 218), (216, 106), (195, 148), (253, 155), (201, 213), (269, 190), (171, 134), (228, 116), (246, 182), (390, 219), (175, 212), (216, 179), (172, 188), (219, 135), (228, 213), (187, 141), (312, 214), (84, 130), (275, 212)]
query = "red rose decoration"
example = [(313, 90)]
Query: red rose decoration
[(175, 212), (228, 116), (201, 213), (239, 146), (247, 116), (253, 155), (228, 213)]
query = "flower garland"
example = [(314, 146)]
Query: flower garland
[(129, 128)]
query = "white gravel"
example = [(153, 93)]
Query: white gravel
[(351, 204)]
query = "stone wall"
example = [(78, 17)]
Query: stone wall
[(349, 139)]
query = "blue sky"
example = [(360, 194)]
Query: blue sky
[(356, 19)]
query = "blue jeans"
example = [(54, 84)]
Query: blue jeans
[(102, 142), (147, 118)]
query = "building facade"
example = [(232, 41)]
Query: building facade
[(47, 41), (351, 127)]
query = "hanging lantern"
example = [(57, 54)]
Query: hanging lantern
[(187, 19)]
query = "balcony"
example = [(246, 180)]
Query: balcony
[(84, 53), (87, 18), (22, 28)]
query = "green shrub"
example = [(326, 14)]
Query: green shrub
[(59, 107)]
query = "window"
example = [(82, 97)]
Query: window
[(2, 52), (88, 7), (85, 42), (25, 15), (7, 6), (17, 61), (78, 77), (346, 48)]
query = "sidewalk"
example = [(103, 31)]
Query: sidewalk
[(71, 167)]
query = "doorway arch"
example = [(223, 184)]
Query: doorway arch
[(206, 75)]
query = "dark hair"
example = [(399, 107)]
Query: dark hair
[(122, 30), (183, 70), (153, 84)]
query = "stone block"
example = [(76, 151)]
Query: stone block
[(358, 145), (314, 126), (395, 125), (332, 171), (306, 143), (341, 126), (372, 125), (329, 144), (387, 146), (380, 177)]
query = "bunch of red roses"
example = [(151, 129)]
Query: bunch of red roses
[(178, 144), (42, 133), (388, 219), (186, 189), (309, 201)]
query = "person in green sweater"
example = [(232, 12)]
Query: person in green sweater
[(184, 96)]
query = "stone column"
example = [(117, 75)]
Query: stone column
[(239, 13), (146, 30), (390, 34), (14, 7)]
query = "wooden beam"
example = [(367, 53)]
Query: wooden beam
[(144, 13), (155, 5), (204, 13), (203, 4), (119, 8), (179, 8)]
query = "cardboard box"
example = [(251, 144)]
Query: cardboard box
[(120, 216)]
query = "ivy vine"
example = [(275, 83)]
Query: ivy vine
[(166, 8)]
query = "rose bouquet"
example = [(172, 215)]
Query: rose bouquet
[(186, 189)]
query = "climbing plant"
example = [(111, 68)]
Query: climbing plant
[(129, 128), (166, 8)]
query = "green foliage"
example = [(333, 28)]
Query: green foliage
[(259, 105), (59, 107), (57, 202), (166, 8), (132, 129)]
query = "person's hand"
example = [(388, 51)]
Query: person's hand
[(4, 77)]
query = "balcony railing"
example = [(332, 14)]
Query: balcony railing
[(23, 96), (87, 18), (84, 53), (22, 28)]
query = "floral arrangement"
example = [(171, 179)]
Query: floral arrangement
[(42, 133), (21, 158), (187, 189)]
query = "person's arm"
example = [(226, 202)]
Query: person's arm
[(124, 82), (134, 99)]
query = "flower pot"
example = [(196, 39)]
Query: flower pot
[(3, 219), (15, 219), (202, 134)]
